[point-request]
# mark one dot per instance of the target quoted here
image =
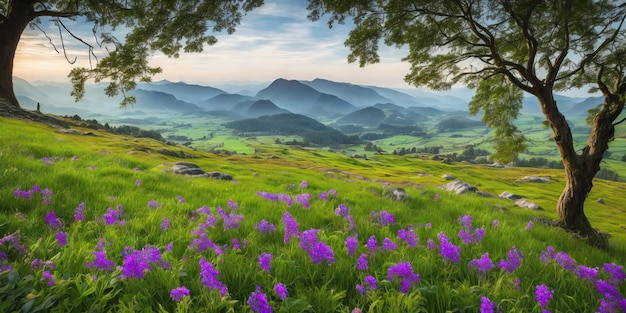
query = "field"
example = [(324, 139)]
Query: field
[(110, 228)]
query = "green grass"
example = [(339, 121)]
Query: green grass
[(103, 177)]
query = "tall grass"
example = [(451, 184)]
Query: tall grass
[(101, 173)]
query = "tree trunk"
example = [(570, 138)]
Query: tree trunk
[(20, 13)]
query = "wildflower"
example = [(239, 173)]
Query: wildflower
[(92, 167), (139, 262), (608, 290), (428, 225), (35, 188), (547, 255), (430, 244), (466, 221), (78, 212), (486, 305), (516, 283), (351, 224), (408, 236), (566, 261), (466, 236), (543, 295), (403, 270), (114, 216), (318, 250), (208, 277), (303, 199), (202, 244), (513, 259), (168, 247), (436, 196), (180, 199), (371, 244), (383, 218), (529, 226), (479, 234), (177, 294), (495, 224), (265, 227), (369, 282), (615, 271), (53, 222), (482, 265), (75, 158), (258, 301), (361, 263), (153, 204), (589, 274), (448, 250), (264, 261), (351, 243), (342, 210), (332, 193), (323, 196), (389, 245), (101, 262), (291, 226), (61, 239), (304, 184), (281, 291), (47, 276), (165, 224)]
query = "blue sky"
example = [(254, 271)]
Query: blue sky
[(276, 40)]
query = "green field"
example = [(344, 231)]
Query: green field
[(40, 273)]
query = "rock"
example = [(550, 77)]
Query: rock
[(509, 196), (225, 177), (448, 177), (71, 131), (398, 194), (534, 179), (485, 194), (459, 187), (186, 168), (600, 200), (527, 204), (215, 175)]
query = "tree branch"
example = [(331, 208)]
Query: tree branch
[(619, 122), (91, 48), (46, 34), (55, 13)]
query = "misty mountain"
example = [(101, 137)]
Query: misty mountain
[(300, 98), (356, 95), (530, 105), (223, 101), (370, 117), (263, 107), (182, 91), (582, 108), (150, 100)]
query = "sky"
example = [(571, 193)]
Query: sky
[(274, 41)]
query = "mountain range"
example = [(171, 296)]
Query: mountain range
[(321, 99)]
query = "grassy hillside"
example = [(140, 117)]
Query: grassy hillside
[(126, 235)]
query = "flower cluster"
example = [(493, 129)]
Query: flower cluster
[(46, 276), (318, 250), (361, 263), (232, 219), (487, 306), (79, 212), (264, 261), (369, 283), (101, 262), (303, 199), (61, 238), (404, 271), (351, 243), (543, 295), (449, 251), (468, 234), (513, 260), (153, 204), (281, 291), (165, 224), (209, 277), (138, 262), (258, 301), (114, 216), (291, 226), (265, 227), (408, 235), (54, 223), (483, 264), (389, 245), (177, 294), (383, 218)]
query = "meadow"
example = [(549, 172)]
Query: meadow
[(99, 224)]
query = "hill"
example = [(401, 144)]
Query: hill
[(357, 95), (369, 116), (191, 93)]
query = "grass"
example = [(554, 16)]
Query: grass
[(105, 174)]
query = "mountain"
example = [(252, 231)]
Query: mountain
[(160, 101), (223, 101), (182, 91), (263, 107), (582, 108), (369, 116), (300, 98), (357, 95)]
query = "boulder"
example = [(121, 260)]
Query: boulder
[(398, 194), (534, 179), (509, 196), (448, 177), (527, 204), (459, 187), (186, 168), (225, 177)]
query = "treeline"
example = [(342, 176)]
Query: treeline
[(122, 130)]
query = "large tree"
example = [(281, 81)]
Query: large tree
[(504, 48), (168, 26)]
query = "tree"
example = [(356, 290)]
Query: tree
[(168, 26), (503, 48)]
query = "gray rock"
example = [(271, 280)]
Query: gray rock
[(186, 168), (509, 196), (459, 187), (225, 177), (215, 175), (527, 204), (534, 179), (448, 177), (398, 194)]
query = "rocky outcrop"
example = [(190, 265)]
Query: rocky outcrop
[(193, 170), (534, 179), (459, 187), (397, 194)]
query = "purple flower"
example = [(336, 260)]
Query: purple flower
[(101, 262), (258, 302), (495, 224), (35, 188), (361, 263), (304, 184), (180, 199), (430, 244), (389, 245), (548, 255), (466, 236), (608, 290), (615, 271), (482, 265), (351, 243), (342, 210), (265, 227), (114, 216), (165, 224), (487, 306), (318, 250), (209, 275), (323, 196), (138, 262), (177, 294), (543, 295), (589, 274), (202, 243), (513, 260), (448, 250), (281, 291), (466, 221), (136, 169), (53, 222), (479, 234), (137, 182), (383, 218), (303, 199), (370, 282), (428, 225), (168, 247), (47, 196), (47, 276), (61, 239), (565, 261), (264, 261), (78, 212), (153, 204), (291, 227), (408, 236), (529, 226), (404, 271), (371, 244)]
